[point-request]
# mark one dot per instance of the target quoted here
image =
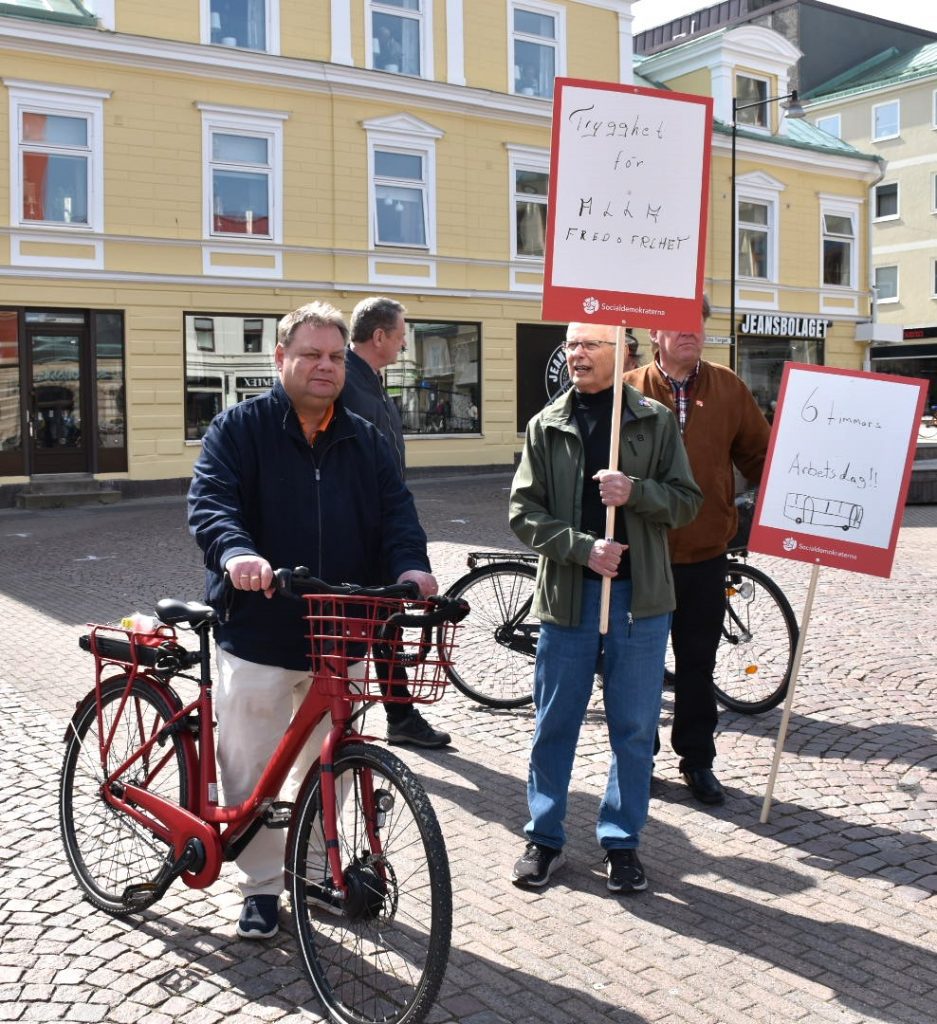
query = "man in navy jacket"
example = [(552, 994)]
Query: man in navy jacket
[(289, 478), (378, 336)]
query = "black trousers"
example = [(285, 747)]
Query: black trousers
[(396, 712), (695, 634)]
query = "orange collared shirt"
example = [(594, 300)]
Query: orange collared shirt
[(323, 426)]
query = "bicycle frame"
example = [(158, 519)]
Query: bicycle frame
[(208, 834)]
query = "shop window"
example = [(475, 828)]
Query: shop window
[(238, 364), (11, 412), (108, 338), (752, 95), (397, 34), (537, 47), (831, 124), (435, 381), (761, 365), (886, 284), (886, 201), (839, 249), (886, 121), (57, 136), (247, 24), (243, 172)]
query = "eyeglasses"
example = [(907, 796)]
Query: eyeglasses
[(587, 346)]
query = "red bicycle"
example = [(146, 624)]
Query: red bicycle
[(367, 870)]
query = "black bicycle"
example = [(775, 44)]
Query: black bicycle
[(493, 664)]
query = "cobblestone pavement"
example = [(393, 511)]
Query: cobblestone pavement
[(826, 914)]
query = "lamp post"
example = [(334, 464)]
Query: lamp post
[(793, 109)]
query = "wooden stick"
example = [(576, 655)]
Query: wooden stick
[(789, 700), (620, 346)]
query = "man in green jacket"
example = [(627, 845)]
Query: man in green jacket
[(561, 491)]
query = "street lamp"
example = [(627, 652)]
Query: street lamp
[(794, 110)]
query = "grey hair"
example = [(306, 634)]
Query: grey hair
[(319, 314), (373, 314)]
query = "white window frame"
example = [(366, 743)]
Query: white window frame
[(892, 298), (841, 207), (933, 109), (933, 192), (833, 119), (272, 28), (537, 161), (887, 216), (558, 14), (933, 279), (766, 106), (404, 134), (765, 190), (881, 106), (422, 186), (39, 98), (424, 17), (266, 124)]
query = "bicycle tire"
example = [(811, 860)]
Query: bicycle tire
[(380, 955), (485, 668), (107, 850), (759, 636)]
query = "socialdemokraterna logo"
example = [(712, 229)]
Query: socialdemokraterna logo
[(789, 544), (590, 304)]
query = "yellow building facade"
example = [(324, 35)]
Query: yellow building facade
[(180, 177)]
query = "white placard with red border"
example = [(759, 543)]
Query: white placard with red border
[(838, 468), (629, 193)]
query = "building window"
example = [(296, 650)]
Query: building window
[(933, 193), (248, 24), (886, 201), (754, 241), (886, 121), (537, 47), (831, 124), (238, 365), (530, 181), (761, 365), (435, 381), (752, 94), (886, 284), (57, 135), (839, 249), (397, 34), (243, 172), (400, 198)]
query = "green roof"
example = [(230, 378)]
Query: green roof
[(801, 134), (887, 68), (69, 12)]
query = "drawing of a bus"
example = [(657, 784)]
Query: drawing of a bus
[(805, 508)]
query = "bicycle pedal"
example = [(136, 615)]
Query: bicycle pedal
[(278, 814), (138, 895)]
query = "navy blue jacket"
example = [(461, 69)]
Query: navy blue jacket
[(340, 507), (364, 393)]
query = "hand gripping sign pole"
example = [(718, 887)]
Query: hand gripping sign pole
[(620, 346)]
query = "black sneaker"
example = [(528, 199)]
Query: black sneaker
[(259, 918), (537, 864), (625, 873), (415, 731)]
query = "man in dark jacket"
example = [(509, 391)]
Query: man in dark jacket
[(289, 478), (378, 336), (723, 429)]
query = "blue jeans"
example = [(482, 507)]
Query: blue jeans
[(633, 659)]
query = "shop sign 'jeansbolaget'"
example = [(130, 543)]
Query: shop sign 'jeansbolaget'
[(626, 218), (771, 325)]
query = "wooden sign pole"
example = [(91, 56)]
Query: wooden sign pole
[(620, 346)]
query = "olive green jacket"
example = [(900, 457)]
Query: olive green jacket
[(546, 504)]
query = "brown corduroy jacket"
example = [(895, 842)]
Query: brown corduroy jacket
[(724, 428)]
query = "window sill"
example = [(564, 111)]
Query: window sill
[(882, 220)]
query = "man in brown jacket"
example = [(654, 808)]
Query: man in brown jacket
[(722, 428)]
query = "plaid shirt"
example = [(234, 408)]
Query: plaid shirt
[(681, 392)]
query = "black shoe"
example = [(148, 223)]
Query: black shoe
[(415, 731), (704, 785), (625, 873), (259, 918), (537, 864)]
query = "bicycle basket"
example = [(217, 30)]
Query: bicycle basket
[(355, 650)]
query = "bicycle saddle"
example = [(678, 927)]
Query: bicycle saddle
[(173, 611)]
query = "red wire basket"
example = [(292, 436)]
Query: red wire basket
[(356, 651)]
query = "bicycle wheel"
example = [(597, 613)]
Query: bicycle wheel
[(107, 850), (497, 641), (759, 635), (379, 955)]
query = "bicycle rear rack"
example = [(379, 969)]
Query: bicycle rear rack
[(477, 557)]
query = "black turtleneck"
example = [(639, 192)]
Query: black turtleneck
[(594, 418)]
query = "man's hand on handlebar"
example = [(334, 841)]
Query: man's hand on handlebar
[(251, 572), (424, 580)]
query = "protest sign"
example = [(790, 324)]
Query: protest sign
[(626, 222)]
